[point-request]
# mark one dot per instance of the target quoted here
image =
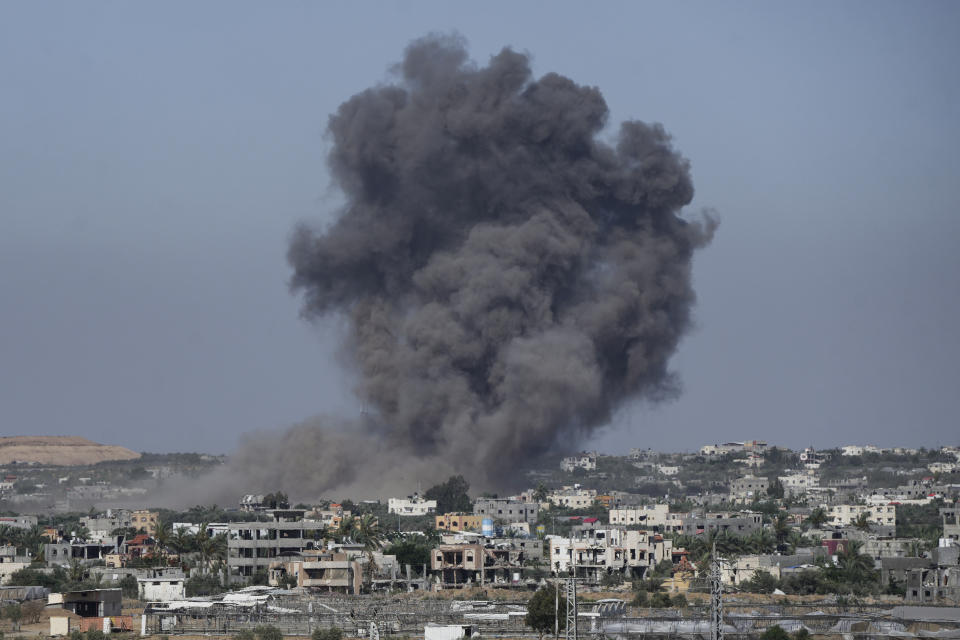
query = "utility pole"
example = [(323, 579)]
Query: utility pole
[(716, 598), (571, 630)]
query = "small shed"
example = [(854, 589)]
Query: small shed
[(449, 631), (95, 603)]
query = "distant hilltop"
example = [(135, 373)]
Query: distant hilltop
[(60, 450)]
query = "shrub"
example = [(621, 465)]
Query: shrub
[(660, 600), (680, 601), (775, 632), (640, 599), (267, 632), (331, 633), (244, 634)]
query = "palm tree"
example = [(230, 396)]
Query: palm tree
[(862, 521), (367, 532), (853, 563), (346, 529), (781, 528), (818, 517), (161, 536)]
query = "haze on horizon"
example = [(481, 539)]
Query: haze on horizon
[(157, 157)]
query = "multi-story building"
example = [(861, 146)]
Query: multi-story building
[(652, 516), (585, 460), (102, 527), (847, 514), (748, 488), (255, 545), (458, 522), (741, 524), (754, 446), (507, 510), (411, 506), (574, 497), (143, 519), (796, 484), (595, 552)]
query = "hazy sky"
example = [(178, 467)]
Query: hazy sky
[(154, 158)]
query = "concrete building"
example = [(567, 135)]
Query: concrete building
[(653, 516), (748, 488), (332, 572), (506, 510), (163, 586), (458, 522), (796, 484), (411, 506), (741, 524), (574, 497), (18, 522), (143, 519), (597, 552), (847, 514), (95, 603), (102, 527), (586, 461), (10, 562), (255, 545)]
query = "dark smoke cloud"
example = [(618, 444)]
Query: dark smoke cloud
[(510, 278)]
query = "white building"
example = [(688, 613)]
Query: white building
[(599, 550), (846, 514), (161, 588), (411, 506), (852, 450), (651, 515), (668, 470), (586, 461), (574, 497)]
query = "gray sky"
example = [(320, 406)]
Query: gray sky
[(154, 158)]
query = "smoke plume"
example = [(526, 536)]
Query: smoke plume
[(509, 277)]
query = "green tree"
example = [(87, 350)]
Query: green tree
[(129, 587), (660, 600), (760, 582), (244, 634), (781, 529), (14, 613), (542, 608), (328, 633), (775, 489), (775, 632), (451, 495), (862, 522), (818, 517), (267, 632), (162, 533)]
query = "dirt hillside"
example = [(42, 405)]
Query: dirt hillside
[(60, 450)]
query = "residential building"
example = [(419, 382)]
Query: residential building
[(796, 484), (255, 545), (507, 510), (458, 522), (585, 460), (847, 514), (741, 524), (652, 516), (18, 522), (574, 497), (596, 552), (143, 519), (163, 585), (411, 506), (748, 488)]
